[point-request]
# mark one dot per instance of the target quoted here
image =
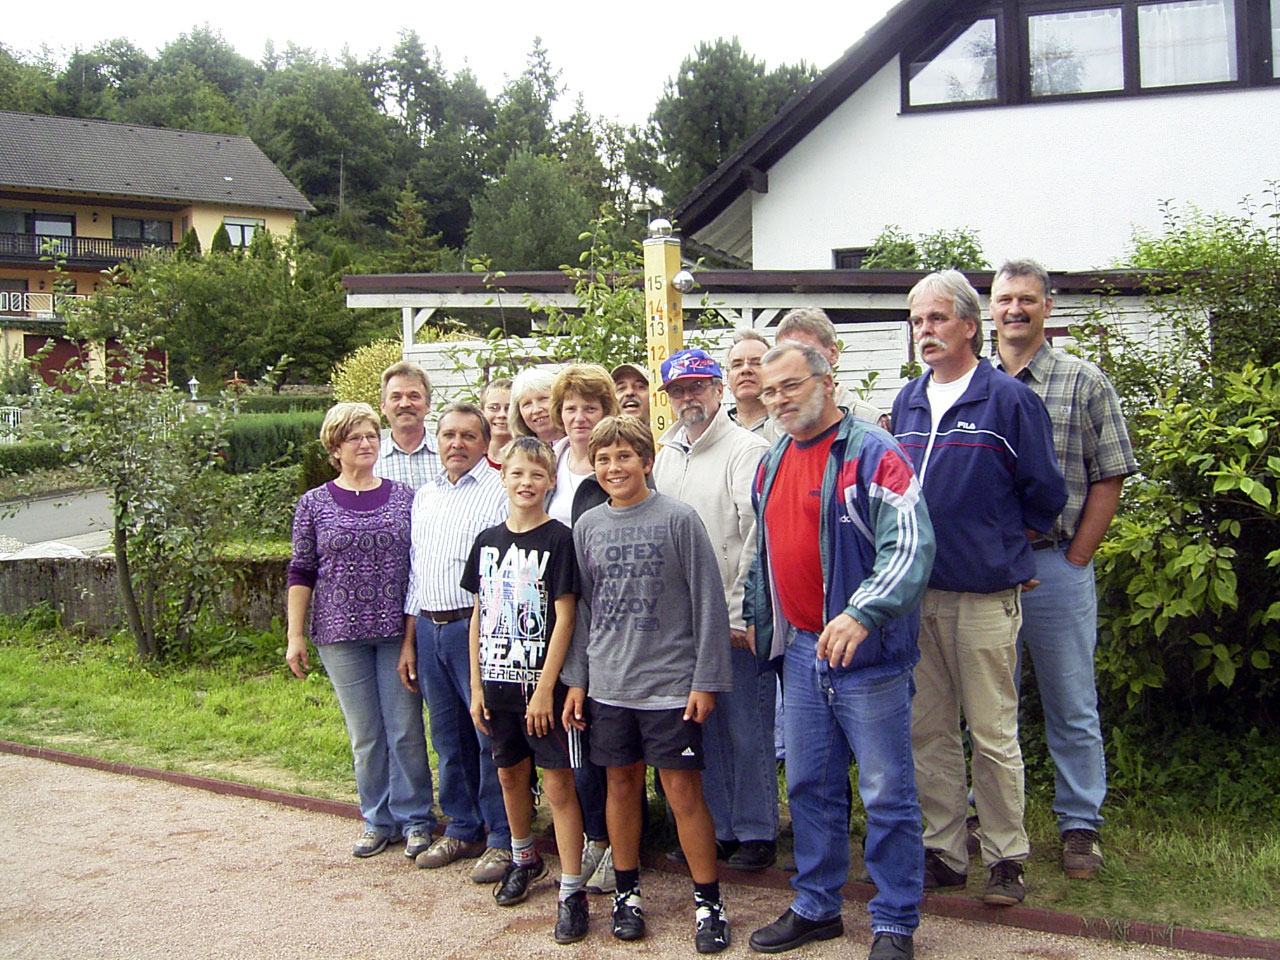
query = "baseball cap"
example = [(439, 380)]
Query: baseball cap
[(630, 368), (688, 364)]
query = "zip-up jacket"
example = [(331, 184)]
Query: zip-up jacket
[(991, 476), (876, 546)]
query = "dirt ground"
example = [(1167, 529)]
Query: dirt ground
[(100, 865)]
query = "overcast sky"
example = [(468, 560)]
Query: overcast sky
[(606, 52)]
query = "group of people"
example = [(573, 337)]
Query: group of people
[(567, 595)]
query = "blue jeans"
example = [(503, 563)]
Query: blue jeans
[(1060, 632), (470, 794), (829, 716), (740, 782), (384, 724)]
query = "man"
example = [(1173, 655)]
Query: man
[(449, 512), (1060, 617), (982, 447), (843, 552), (743, 362), (708, 462), (811, 327), (407, 453), (632, 386)]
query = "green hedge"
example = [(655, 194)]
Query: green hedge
[(284, 403), (30, 455), (257, 440)]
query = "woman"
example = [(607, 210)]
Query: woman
[(351, 557), (530, 412), (495, 398), (581, 396)]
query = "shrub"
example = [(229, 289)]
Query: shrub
[(257, 440), (358, 376), (316, 468), (263, 501), (28, 456), (283, 403), (895, 249)]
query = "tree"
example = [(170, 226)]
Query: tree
[(26, 83), (719, 98), (181, 101), (221, 242), (413, 248), (523, 120), (189, 246), (529, 219)]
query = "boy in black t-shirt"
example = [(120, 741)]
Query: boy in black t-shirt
[(524, 577)]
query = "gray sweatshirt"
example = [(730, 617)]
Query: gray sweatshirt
[(652, 621)]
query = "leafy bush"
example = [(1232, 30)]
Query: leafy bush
[(28, 456), (358, 376), (895, 249), (315, 468), (283, 403), (262, 502), (257, 440)]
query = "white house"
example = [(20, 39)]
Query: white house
[(1051, 127)]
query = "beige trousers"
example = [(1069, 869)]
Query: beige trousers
[(968, 656)]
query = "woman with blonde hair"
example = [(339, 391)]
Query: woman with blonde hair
[(530, 412), (350, 566), (582, 395)]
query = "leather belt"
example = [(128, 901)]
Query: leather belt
[(446, 616), (1044, 544)]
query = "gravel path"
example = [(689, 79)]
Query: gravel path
[(99, 865)]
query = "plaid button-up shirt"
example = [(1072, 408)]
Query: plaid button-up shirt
[(1089, 433), (414, 467)]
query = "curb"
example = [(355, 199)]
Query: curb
[(952, 906)]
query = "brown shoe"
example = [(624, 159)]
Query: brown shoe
[(1081, 854), (448, 849), (1005, 888), (492, 866)]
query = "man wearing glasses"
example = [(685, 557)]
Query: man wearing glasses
[(844, 552), (743, 364), (708, 461)]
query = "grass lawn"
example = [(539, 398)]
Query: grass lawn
[(246, 718)]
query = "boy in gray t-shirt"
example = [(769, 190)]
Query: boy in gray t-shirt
[(653, 651)]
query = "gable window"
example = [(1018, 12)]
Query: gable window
[(959, 68), (1080, 51), (240, 229), (136, 228), (850, 258)]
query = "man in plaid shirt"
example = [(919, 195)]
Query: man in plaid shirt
[(1060, 617), (408, 453)]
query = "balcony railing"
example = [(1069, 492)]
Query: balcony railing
[(31, 246), (23, 303)]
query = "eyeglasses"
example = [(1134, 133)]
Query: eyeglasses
[(677, 391), (787, 390), (356, 439)]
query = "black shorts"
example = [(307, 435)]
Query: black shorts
[(511, 741), (621, 736)]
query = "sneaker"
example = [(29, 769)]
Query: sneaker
[(571, 918), (628, 915), (591, 857), (370, 843), (417, 841), (1005, 888), (1081, 854), (492, 865), (939, 876), (753, 855), (603, 880), (448, 849), (712, 932), (513, 888)]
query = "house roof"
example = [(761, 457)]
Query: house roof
[(748, 167), (127, 160)]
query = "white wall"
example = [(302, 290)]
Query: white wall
[(1061, 182)]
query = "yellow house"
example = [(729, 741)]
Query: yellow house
[(106, 192)]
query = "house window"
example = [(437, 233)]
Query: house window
[(13, 221), (135, 228), (1190, 41), (1081, 51), (54, 225), (1275, 38), (240, 229), (850, 258), (959, 68)]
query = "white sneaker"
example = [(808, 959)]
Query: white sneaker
[(591, 857), (603, 880)]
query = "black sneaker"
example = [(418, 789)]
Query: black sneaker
[(712, 934), (939, 876), (1005, 888), (571, 918), (513, 888), (753, 855), (628, 915)]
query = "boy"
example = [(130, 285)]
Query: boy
[(653, 648), (523, 574)]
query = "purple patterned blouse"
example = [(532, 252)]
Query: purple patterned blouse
[(353, 551)]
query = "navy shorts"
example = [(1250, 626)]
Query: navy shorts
[(511, 742), (621, 736)]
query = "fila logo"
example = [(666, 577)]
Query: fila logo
[(967, 426), (688, 752)]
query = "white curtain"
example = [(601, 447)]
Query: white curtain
[(1076, 52), (1192, 41)]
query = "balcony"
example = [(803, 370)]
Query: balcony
[(87, 251), (33, 304)]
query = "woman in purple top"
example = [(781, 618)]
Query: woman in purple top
[(351, 566)]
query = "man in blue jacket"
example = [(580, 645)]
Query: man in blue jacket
[(844, 547), (982, 446)]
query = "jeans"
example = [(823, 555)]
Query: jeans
[(740, 782), (470, 794), (1060, 632), (829, 716), (384, 724)]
